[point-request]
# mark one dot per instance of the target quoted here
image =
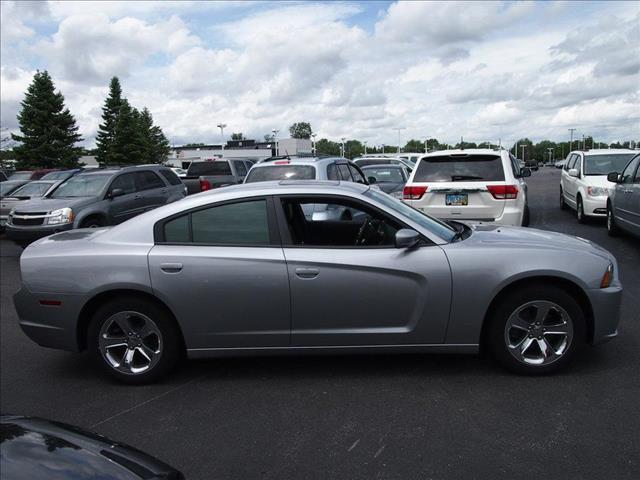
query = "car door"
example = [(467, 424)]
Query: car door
[(626, 199), (221, 270), (569, 187), (152, 190), (129, 204), (349, 292)]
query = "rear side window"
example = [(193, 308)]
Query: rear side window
[(171, 177), (462, 168), (281, 172), (244, 223), (148, 180), (209, 168)]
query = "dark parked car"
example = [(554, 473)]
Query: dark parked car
[(209, 174), (95, 199), (31, 174), (37, 449), (389, 178), (623, 205)]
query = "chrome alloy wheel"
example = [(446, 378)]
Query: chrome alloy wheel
[(538, 332), (130, 342)]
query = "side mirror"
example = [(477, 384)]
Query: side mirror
[(525, 172), (407, 238), (613, 177), (116, 192), (573, 172), (372, 180)]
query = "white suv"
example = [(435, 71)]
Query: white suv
[(477, 185), (584, 185)]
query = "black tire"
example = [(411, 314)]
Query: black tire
[(612, 228), (580, 216), (170, 349), (563, 205), (526, 216), (496, 341), (92, 222)]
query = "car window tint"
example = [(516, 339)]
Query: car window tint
[(171, 177), (460, 168), (242, 223), (357, 176), (126, 182), (35, 189), (177, 230), (148, 180), (515, 166), (333, 222), (628, 173), (332, 172), (385, 174), (604, 164), (281, 172), (241, 168), (343, 169), (220, 167), (578, 165)]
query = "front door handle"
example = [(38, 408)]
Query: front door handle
[(307, 273), (171, 267)]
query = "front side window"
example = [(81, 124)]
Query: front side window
[(578, 165), (332, 172), (126, 182), (460, 168), (628, 173), (605, 164), (343, 169), (335, 222), (244, 223), (148, 180), (357, 176)]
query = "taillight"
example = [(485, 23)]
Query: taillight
[(503, 192), (413, 193), (281, 162), (205, 185)]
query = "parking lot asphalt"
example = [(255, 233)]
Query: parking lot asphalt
[(386, 416)]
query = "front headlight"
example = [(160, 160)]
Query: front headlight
[(63, 215), (598, 191)]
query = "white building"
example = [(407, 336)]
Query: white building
[(183, 156)]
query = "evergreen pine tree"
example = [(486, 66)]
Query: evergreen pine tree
[(48, 130), (127, 147), (106, 132), (155, 145)]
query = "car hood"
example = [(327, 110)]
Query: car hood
[(50, 204), (598, 181), (531, 238)]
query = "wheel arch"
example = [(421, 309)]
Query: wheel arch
[(565, 284), (82, 216), (84, 318)]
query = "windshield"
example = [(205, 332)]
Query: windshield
[(33, 189), (21, 176), (57, 175), (454, 168), (81, 186), (281, 172), (197, 169), (434, 225), (384, 174), (605, 164), (6, 187)]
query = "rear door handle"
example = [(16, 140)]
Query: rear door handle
[(307, 273), (171, 267)]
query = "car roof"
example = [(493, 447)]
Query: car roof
[(382, 165), (466, 151), (606, 151), (299, 161)]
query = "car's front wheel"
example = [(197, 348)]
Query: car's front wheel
[(612, 228), (563, 205), (536, 330), (580, 210), (134, 340)]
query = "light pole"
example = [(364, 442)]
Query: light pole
[(426, 145), (275, 138), (365, 147), (222, 126), (523, 147), (584, 143), (550, 150), (383, 148), (342, 145), (313, 143), (571, 140), (399, 129)]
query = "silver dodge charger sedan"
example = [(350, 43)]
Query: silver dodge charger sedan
[(243, 271)]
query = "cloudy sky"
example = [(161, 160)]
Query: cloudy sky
[(482, 70)]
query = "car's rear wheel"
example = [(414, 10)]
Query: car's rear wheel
[(563, 205), (134, 340), (536, 330), (612, 228), (580, 210)]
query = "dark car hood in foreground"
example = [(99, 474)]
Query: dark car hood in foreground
[(34, 449), (49, 204)]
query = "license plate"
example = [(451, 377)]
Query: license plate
[(456, 199)]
